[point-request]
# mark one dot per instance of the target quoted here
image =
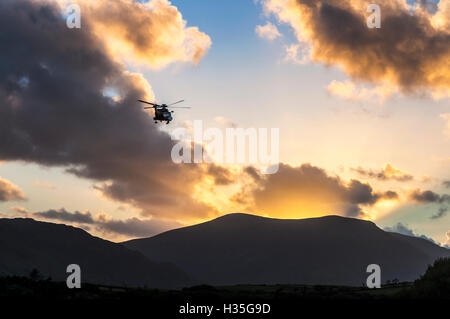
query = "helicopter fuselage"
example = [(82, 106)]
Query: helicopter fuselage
[(163, 115), (161, 111)]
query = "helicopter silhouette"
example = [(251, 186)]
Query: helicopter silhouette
[(162, 112)]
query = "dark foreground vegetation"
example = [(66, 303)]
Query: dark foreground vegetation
[(433, 285)]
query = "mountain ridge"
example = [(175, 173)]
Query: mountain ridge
[(232, 249), (27, 244), (248, 249)]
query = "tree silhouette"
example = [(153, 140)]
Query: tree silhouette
[(435, 283), (35, 274)]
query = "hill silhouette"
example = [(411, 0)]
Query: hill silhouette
[(248, 249), (27, 245)]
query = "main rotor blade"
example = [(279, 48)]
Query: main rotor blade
[(179, 107), (176, 102), (150, 107), (148, 103)]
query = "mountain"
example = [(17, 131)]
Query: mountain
[(26, 244), (247, 249), (423, 245)]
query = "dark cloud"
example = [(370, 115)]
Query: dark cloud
[(409, 50), (388, 195), (405, 230), (354, 211), (360, 193), (132, 227), (53, 112), (221, 175), (10, 192), (310, 189), (440, 213), (429, 197), (65, 216), (135, 227), (446, 184), (241, 198), (388, 173), (253, 172)]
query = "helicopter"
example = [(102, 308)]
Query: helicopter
[(162, 112)]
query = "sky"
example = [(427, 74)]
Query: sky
[(363, 113)]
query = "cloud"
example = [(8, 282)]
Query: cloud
[(440, 213), (134, 227), (429, 196), (150, 32), (221, 175), (388, 173), (20, 211), (446, 184), (308, 190), (297, 54), (405, 230), (10, 192), (441, 18), (429, 5), (447, 243), (54, 113), (131, 227), (267, 31), (65, 216), (401, 229), (253, 172), (410, 52), (348, 90)]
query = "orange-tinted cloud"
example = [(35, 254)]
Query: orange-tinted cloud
[(153, 32), (387, 173), (348, 90), (411, 50), (53, 111), (306, 191), (10, 192)]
